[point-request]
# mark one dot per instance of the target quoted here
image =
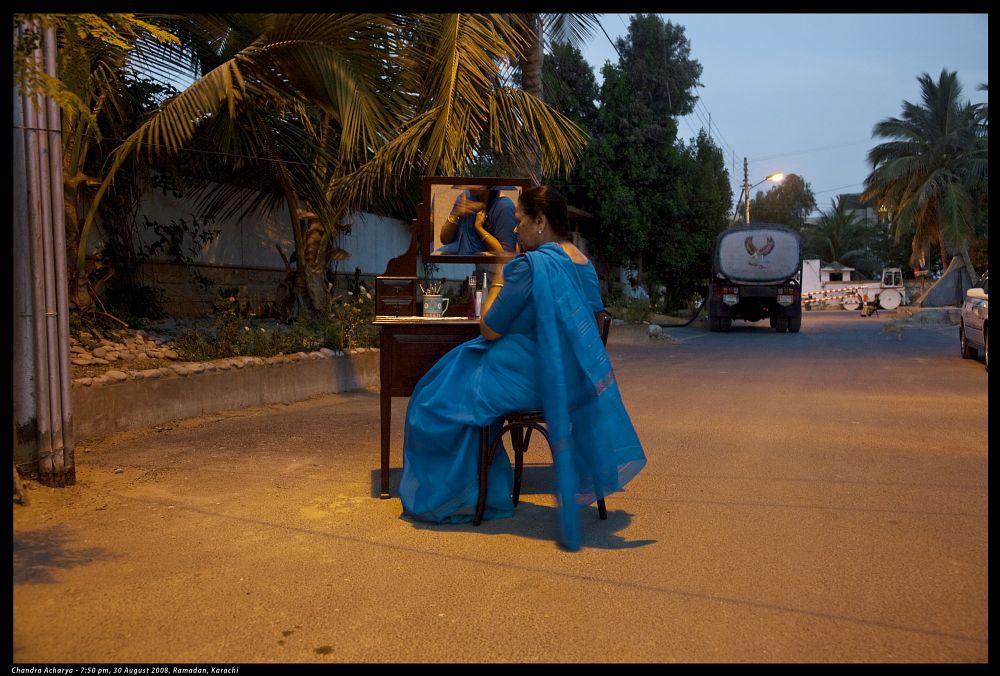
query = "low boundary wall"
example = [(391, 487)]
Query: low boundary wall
[(149, 398)]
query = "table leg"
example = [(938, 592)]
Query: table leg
[(385, 406)]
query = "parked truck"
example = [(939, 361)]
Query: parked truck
[(887, 292), (756, 274)]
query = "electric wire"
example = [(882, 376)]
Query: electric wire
[(706, 120)]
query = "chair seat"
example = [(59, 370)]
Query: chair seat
[(524, 417)]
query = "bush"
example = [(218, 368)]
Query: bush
[(629, 310), (354, 313), (135, 302), (238, 332)]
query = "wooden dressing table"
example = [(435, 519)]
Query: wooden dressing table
[(410, 344)]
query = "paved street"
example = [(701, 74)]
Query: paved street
[(810, 497)]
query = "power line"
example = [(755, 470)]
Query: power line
[(709, 123), (613, 45), (811, 150), (852, 185), (716, 124)]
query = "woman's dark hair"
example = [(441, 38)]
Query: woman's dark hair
[(545, 200)]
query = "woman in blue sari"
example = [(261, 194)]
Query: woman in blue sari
[(539, 349)]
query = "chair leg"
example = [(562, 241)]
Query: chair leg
[(602, 510), (517, 441), (484, 467)]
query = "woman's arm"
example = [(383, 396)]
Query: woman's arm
[(449, 229), (493, 244), (493, 291), (463, 207)]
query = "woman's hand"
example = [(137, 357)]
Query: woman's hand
[(493, 245), (465, 206), (480, 224)]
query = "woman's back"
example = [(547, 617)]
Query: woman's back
[(513, 311)]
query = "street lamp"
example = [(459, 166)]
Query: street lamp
[(776, 178)]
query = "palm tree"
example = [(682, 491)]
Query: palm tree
[(927, 174), (840, 235), (340, 110), (568, 28)]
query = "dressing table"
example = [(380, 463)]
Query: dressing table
[(409, 343)]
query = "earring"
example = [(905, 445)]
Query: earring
[(539, 232)]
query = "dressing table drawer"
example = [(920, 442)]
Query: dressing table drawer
[(395, 296)]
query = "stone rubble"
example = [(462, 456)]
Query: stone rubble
[(145, 345)]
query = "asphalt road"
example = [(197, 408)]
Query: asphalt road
[(810, 497)]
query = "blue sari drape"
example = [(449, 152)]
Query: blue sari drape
[(564, 370), (594, 446)]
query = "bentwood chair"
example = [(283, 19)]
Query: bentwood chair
[(519, 425)]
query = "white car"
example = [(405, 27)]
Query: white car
[(974, 329)]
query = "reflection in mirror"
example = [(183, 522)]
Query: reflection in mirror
[(472, 219)]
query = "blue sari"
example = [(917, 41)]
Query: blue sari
[(550, 357)]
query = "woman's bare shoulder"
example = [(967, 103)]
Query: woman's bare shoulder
[(574, 254)]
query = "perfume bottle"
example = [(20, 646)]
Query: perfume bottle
[(473, 312), (479, 297)]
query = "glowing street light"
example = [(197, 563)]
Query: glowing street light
[(776, 178)]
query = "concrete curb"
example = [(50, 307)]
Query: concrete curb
[(141, 399), (636, 334)]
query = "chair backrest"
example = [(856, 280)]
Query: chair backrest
[(603, 324)]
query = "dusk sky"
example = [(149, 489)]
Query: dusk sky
[(800, 93)]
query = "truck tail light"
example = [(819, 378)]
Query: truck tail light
[(786, 295), (730, 295)]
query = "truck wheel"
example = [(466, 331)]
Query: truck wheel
[(713, 323), (781, 324), (968, 352), (725, 323), (851, 304), (794, 324)]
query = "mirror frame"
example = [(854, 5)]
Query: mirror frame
[(427, 225)]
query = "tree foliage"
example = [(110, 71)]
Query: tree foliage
[(82, 36), (570, 85), (843, 236), (326, 114), (101, 101), (787, 203), (658, 202), (933, 171)]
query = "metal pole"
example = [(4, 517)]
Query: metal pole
[(25, 409), (62, 367)]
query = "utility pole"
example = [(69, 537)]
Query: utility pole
[(776, 177), (746, 188)]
